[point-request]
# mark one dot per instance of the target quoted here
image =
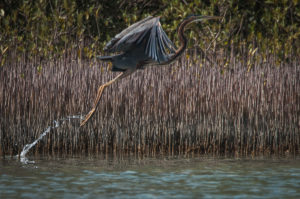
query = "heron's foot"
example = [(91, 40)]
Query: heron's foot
[(87, 117)]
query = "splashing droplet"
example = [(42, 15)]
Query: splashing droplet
[(57, 123)]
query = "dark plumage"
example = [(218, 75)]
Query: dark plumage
[(145, 41)]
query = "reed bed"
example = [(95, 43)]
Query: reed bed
[(186, 108)]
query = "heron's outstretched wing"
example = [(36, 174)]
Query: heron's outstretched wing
[(147, 32)]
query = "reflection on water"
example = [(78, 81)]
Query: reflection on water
[(198, 177)]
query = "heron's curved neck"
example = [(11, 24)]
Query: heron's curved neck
[(183, 41)]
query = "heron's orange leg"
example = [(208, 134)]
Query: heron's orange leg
[(99, 94)]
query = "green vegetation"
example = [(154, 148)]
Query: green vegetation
[(48, 29)]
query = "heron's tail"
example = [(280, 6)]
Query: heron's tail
[(105, 58)]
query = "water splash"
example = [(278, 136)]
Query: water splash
[(56, 124)]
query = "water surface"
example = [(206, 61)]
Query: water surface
[(163, 177)]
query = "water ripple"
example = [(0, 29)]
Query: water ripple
[(166, 179)]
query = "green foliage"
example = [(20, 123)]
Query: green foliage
[(48, 29)]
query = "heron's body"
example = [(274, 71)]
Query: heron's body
[(141, 44), (124, 61)]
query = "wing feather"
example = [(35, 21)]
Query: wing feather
[(167, 42), (161, 50), (147, 32), (110, 45)]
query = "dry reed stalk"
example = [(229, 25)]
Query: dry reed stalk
[(184, 108)]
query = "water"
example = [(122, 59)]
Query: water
[(57, 123), (163, 177)]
